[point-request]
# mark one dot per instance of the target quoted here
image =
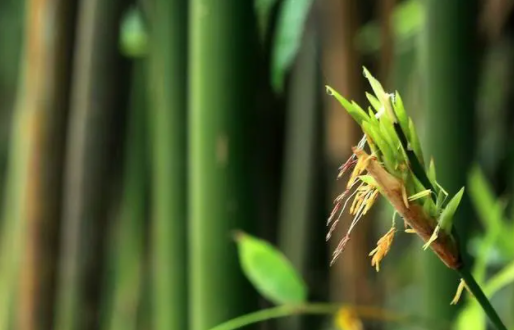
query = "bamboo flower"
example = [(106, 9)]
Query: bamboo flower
[(394, 168)]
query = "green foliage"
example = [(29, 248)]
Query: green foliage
[(269, 271), (490, 211), (375, 103), (263, 10), (287, 39), (407, 20), (414, 142), (401, 114), (446, 218), (490, 214), (376, 86), (133, 35), (353, 109)]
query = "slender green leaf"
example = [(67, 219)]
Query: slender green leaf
[(500, 280), (414, 142), (372, 119), (382, 96), (269, 271), (355, 111), (375, 103), (291, 20), (387, 129), (489, 210), (388, 155), (401, 114), (375, 84), (431, 171), (446, 219)]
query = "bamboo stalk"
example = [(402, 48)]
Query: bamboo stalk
[(36, 185), (97, 88), (128, 232), (168, 96), (220, 94), (449, 59), (298, 201)]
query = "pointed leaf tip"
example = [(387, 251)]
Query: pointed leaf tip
[(446, 218), (355, 111)]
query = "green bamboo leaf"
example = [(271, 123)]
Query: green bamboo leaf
[(290, 24), (372, 119), (446, 218), (356, 112), (388, 155), (375, 85), (387, 129), (358, 107), (489, 210), (401, 114), (375, 103), (269, 271), (431, 171), (381, 95), (414, 142)]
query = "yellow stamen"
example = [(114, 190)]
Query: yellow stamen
[(410, 231), (458, 294), (356, 200), (362, 164), (383, 246), (370, 201)]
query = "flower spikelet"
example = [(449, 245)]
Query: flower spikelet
[(388, 161), (383, 247)]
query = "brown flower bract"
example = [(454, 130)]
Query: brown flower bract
[(390, 187)]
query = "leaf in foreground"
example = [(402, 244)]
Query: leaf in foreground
[(269, 271)]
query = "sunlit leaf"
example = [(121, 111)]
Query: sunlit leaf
[(388, 155), (352, 108), (375, 85), (290, 26), (431, 171), (407, 20), (269, 271), (446, 218), (401, 114), (414, 142), (375, 103), (489, 211), (133, 34)]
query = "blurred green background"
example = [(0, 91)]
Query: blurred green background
[(135, 136)]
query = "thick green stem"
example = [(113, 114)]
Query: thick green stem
[(449, 73), (481, 298), (221, 95), (167, 119)]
